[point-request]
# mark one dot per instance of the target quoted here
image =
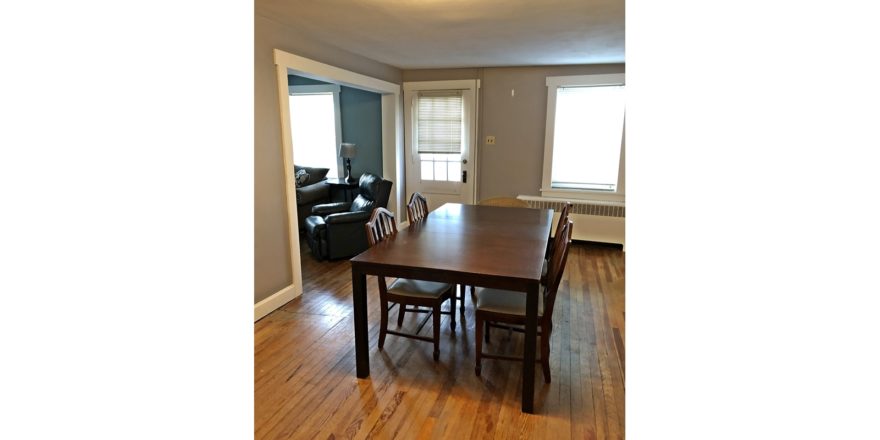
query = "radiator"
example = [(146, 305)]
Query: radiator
[(594, 220)]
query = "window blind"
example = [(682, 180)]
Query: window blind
[(439, 115)]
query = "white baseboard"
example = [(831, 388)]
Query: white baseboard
[(274, 301)]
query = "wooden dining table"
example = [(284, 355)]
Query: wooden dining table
[(475, 245)]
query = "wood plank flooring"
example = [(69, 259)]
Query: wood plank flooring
[(304, 366)]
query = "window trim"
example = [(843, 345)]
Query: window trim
[(553, 83)]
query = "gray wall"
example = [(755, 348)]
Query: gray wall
[(514, 164), (271, 241)]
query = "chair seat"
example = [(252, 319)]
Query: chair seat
[(505, 301), (418, 288)]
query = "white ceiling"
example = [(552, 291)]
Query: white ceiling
[(415, 34)]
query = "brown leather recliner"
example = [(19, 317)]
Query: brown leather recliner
[(336, 230)]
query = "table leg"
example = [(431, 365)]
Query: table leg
[(361, 339), (528, 384)]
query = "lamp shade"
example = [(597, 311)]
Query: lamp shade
[(347, 150)]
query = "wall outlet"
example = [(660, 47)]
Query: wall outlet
[(490, 140)]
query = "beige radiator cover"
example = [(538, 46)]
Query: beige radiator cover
[(596, 228)]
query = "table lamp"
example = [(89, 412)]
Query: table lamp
[(347, 151)]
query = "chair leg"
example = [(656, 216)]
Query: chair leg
[(461, 289), (479, 343), (545, 352), (383, 323), (452, 310), (436, 332), (401, 309), (487, 331)]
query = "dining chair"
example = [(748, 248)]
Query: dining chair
[(407, 292), (496, 305), (563, 218), (557, 241), (508, 202), (417, 209)]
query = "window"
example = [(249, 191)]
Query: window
[(439, 134), (442, 167), (583, 149), (315, 127)]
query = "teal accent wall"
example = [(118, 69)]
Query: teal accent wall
[(361, 124), (293, 80)]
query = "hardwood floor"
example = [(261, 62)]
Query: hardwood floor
[(304, 366)]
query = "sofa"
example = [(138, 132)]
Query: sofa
[(310, 191), (336, 230)]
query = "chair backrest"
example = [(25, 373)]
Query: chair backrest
[(380, 226), (510, 202), (563, 215), (374, 193), (417, 208), (556, 267), (563, 219)]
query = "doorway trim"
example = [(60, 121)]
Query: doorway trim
[(392, 139)]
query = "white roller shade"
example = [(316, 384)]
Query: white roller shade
[(587, 137)]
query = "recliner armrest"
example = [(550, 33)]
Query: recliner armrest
[(348, 217), (331, 208), (315, 223)]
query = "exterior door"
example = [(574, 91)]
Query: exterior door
[(440, 123)]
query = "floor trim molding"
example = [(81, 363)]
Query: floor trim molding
[(274, 301)]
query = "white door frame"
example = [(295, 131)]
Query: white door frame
[(392, 137)]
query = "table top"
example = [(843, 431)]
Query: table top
[(496, 243), (340, 181)]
